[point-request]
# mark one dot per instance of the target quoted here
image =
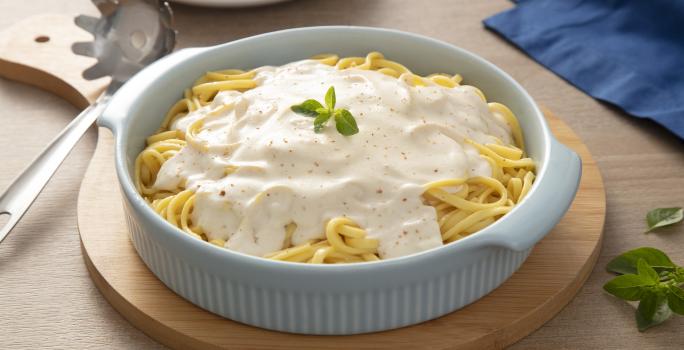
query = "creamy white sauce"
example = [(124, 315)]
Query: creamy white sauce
[(287, 173)]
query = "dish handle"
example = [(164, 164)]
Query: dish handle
[(546, 204), (123, 100)]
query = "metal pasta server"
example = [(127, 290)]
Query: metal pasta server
[(130, 35)]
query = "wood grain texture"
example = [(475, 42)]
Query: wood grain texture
[(563, 260), (48, 301), (45, 41)]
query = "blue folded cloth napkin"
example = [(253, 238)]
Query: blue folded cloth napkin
[(626, 52)]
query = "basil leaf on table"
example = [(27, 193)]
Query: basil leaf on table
[(658, 308), (646, 271), (662, 217), (628, 287), (675, 299), (626, 263)]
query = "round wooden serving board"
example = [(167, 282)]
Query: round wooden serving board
[(546, 282), (562, 260)]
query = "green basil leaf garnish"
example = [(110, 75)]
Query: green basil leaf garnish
[(308, 108), (320, 121), (345, 122), (330, 98), (657, 307), (645, 270)]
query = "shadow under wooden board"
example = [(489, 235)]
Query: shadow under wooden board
[(562, 260)]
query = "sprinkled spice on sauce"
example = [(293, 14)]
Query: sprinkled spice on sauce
[(408, 136)]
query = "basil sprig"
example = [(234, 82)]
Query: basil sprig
[(344, 120), (649, 276), (662, 217)]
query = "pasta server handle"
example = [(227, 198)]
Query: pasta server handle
[(19, 196), (37, 51)]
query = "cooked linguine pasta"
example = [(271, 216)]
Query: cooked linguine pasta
[(202, 174)]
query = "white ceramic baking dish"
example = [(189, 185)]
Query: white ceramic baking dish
[(336, 299)]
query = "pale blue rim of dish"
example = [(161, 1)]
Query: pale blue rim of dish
[(114, 119)]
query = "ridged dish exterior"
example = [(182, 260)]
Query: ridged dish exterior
[(327, 312)]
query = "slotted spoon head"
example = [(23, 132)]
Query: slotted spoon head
[(130, 35)]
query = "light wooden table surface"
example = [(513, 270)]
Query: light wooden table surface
[(47, 299)]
